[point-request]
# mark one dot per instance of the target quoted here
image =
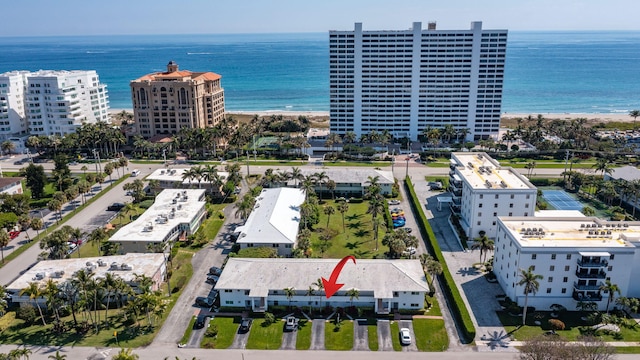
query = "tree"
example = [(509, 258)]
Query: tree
[(432, 266), (3, 300), (289, 293), (4, 241), (376, 207), (310, 292), (556, 348), (530, 166), (329, 210), (603, 165), (56, 205), (634, 114), (34, 292), (343, 208), (7, 147), (58, 356), (611, 288), (37, 224), (531, 285), (353, 293), (296, 175), (35, 180), (125, 354), (484, 244)]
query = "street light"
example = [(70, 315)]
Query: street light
[(406, 175), (164, 156)]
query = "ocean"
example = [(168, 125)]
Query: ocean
[(546, 72)]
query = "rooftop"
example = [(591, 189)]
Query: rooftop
[(125, 266), (483, 172), (381, 276), (352, 175), (628, 173), (275, 217), (578, 232), (5, 181), (175, 174), (171, 208), (182, 75)]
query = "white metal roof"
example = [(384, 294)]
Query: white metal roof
[(275, 217), (175, 175), (352, 175), (381, 276), (482, 172)]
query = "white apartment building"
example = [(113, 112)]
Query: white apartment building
[(405, 80), (172, 178), (174, 215), (48, 102), (574, 255), (383, 285), (274, 221), (349, 182), (482, 190)]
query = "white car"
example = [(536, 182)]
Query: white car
[(405, 336)]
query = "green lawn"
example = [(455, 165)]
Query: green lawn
[(434, 306), (227, 329), (574, 327), (372, 333), (395, 337), (188, 331), (341, 339), (430, 335), (303, 339), (356, 238), (264, 336)]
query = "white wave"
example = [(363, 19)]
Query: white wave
[(96, 52), (619, 111), (199, 53)]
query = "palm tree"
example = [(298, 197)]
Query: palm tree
[(484, 244), (530, 166), (4, 241), (34, 292), (25, 222), (634, 114), (296, 175), (343, 207), (376, 207), (125, 354), (531, 285), (320, 178), (432, 266), (329, 210), (611, 288), (37, 224), (353, 293), (58, 356), (604, 165), (7, 147), (310, 292), (289, 293), (319, 287), (308, 186)]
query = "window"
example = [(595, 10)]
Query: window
[(565, 279), (512, 196), (495, 214), (528, 197), (550, 279), (564, 290), (612, 256), (610, 268), (415, 305), (479, 222), (534, 256), (552, 268), (479, 214), (526, 214), (548, 290), (480, 205), (229, 302), (228, 290), (568, 256), (510, 214), (415, 293), (533, 268), (553, 256), (481, 196), (566, 268), (495, 205), (511, 205), (497, 196), (395, 294)]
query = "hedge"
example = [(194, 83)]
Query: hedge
[(459, 309)]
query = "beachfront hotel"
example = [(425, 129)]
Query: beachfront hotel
[(49, 102), (405, 80), (165, 102), (481, 190), (574, 255)]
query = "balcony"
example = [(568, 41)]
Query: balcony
[(457, 184), (595, 287), (592, 263), (455, 191), (579, 296), (586, 275)]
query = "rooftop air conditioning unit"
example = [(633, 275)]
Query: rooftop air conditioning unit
[(125, 267), (101, 262), (179, 206), (114, 266), (161, 172), (89, 263), (488, 183)]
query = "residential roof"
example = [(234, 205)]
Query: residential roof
[(381, 276), (351, 175), (482, 172), (6, 181), (572, 232), (559, 213), (62, 270), (175, 174), (275, 217), (628, 173), (171, 208), (182, 75)]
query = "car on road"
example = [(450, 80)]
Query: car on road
[(13, 234), (409, 251), (204, 301), (115, 207), (245, 325), (200, 321), (19, 162), (394, 202), (290, 323), (212, 279), (405, 336), (135, 172), (214, 270)]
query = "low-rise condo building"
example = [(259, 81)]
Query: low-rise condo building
[(165, 102), (348, 182), (174, 215), (482, 190), (383, 285), (575, 257), (274, 221), (174, 178), (11, 185), (127, 267)]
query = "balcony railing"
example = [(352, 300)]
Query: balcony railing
[(588, 297), (599, 275), (592, 263), (587, 287)]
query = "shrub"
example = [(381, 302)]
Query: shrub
[(460, 311), (7, 320), (269, 318), (212, 331), (556, 324), (26, 313), (146, 204), (179, 283)]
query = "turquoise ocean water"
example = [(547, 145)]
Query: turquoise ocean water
[(557, 72)]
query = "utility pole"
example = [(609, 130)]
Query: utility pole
[(95, 158), (164, 156), (566, 160), (406, 175), (247, 163)]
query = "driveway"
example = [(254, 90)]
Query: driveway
[(408, 324), (289, 340), (317, 334), (384, 336), (198, 334), (360, 335), (240, 341)]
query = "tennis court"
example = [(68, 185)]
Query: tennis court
[(561, 200)]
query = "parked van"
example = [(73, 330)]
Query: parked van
[(135, 172)]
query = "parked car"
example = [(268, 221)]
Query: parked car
[(214, 270), (13, 234), (394, 202), (245, 324), (405, 336), (115, 207), (212, 279), (204, 301), (290, 323), (135, 172), (410, 251), (200, 321)]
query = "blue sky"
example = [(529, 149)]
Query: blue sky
[(104, 17)]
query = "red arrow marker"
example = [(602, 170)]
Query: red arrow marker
[(331, 285)]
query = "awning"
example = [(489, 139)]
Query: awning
[(456, 177), (453, 162), (595, 254)]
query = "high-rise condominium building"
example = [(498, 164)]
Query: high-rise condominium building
[(50, 102), (165, 102), (403, 81)]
